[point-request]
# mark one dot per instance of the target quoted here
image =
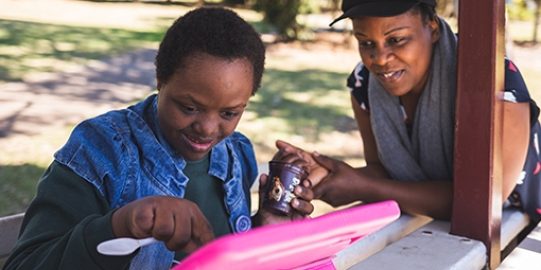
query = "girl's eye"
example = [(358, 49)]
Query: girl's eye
[(189, 109), (228, 115)]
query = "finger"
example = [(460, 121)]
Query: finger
[(304, 208), (142, 219), (317, 174), (284, 146), (201, 229), (327, 162), (164, 221), (190, 247), (192, 230), (183, 231), (262, 180), (319, 190), (262, 187), (304, 193)]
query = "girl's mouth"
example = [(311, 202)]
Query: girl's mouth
[(197, 144)]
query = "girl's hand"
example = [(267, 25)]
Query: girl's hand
[(316, 172), (302, 207), (179, 223)]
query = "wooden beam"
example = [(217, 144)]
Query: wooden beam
[(477, 202)]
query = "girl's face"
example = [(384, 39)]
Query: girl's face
[(398, 50), (203, 102)]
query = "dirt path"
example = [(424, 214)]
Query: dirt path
[(56, 100)]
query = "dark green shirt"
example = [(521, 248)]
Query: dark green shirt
[(208, 193), (67, 219)]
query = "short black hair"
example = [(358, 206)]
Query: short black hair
[(212, 30)]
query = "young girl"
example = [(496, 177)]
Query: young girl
[(169, 167), (403, 97)]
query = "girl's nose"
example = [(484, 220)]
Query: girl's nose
[(205, 125)]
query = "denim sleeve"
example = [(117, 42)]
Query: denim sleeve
[(246, 154), (63, 225), (96, 151)]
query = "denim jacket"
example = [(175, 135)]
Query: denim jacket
[(123, 154)]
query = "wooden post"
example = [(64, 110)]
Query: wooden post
[(477, 204)]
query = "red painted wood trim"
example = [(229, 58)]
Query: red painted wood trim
[(477, 173)]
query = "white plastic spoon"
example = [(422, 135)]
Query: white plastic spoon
[(124, 245)]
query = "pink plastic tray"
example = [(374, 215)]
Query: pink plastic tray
[(304, 244)]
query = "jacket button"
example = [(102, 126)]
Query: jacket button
[(243, 223)]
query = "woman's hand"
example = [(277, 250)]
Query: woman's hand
[(179, 223), (342, 185), (302, 207), (316, 172)]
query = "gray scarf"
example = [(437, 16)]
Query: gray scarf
[(428, 153)]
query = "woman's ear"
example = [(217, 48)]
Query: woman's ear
[(434, 29), (158, 85)]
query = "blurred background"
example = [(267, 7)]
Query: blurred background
[(62, 61)]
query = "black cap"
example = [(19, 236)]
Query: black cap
[(377, 8)]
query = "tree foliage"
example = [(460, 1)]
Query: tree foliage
[(282, 15)]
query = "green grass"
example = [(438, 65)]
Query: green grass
[(18, 186), (27, 47), (308, 101)]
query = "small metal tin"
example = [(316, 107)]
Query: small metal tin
[(283, 178)]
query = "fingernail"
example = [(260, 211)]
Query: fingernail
[(295, 203), (298, 190), (316, 153)]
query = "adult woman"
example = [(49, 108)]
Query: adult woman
[(403, 97)]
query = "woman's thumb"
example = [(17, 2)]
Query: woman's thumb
[(319, 190), (324, 161)]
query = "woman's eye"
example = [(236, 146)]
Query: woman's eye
[(365, 44), (396, 41)]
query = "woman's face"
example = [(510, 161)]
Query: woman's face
[(203, 102), (397, 49)]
